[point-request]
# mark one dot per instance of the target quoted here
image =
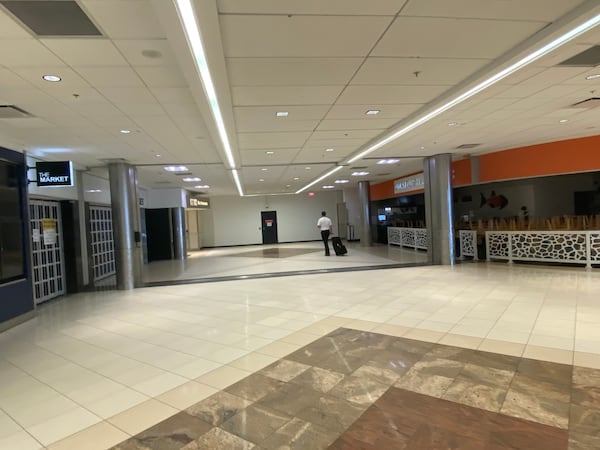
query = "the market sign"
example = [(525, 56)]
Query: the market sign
[(54, 173), (411, 183)]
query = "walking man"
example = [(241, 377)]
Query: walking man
[(325, 225)]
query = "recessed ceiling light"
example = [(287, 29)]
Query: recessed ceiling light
[(125, 131), (176, 169), (422, 148), (262, 179), (264, 169), (342, 181), (593, 76), (52, 78), (452, 124), (372, 112), (563, 121), (157, 155), (307, 168), (282, 113), (296, 178), (270, 153), (328, 149), (388, 161), (94, 190), (328, 187), (202, 186), (191, 179), (359, 174)]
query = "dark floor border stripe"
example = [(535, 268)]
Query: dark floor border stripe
[(279, 274)]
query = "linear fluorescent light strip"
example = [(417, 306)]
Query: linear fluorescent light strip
[(591, 23), (312, 183), (192, 31)]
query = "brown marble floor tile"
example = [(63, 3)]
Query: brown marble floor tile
[(404, 420), (340, 363), (361, 391), (586, 387), (585, 420), (218, 439), (411, 346), (218, 408), (315, 351), (481, 396), (254, 387), (320, 380), (256, 423), (299, 435), (284, 370), (382, 375), (332, 413), (578, 441), (290, 399), (548, 372)]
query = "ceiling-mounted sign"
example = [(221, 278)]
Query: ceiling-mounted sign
[(411, 183), (194, 202), (55, 173)]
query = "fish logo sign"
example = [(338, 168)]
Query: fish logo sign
[(493, 201)]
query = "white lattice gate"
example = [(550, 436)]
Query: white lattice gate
[(46, 250), (102, 242)]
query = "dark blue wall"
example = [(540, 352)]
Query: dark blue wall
[(16, 297)]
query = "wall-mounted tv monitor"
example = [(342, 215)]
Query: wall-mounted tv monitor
[(381, 217), (12, 259)]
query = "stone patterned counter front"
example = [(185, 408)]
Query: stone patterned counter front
[(408, 237), (578, 247)]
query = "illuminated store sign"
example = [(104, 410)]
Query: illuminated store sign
[(55, 173), (198, 203), (411, 183)]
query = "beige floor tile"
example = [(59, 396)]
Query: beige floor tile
[(585, 359), (461, 341), (101, 436), (20, 440), (424, 335), (391, 330), (253, 362), (299, 338), (363, 325), (223, 376), (502, 347), (278, 349), (187, 394), (142, 416), (548, 354), (63, 425)]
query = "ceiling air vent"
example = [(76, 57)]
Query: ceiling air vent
[(589, 103), (182, 174), (463, 146), (587, 58), (358, 168), (12, 112), (162, 182), (52, 18)]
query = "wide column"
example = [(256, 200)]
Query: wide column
[(364, 197), (438, 208), (126, 224), (178, 221)]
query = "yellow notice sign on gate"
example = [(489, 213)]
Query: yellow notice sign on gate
[(49, 227)]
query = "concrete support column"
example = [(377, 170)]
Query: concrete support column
[(126, 224), (178, 221), (366, 237), (438, 208), (83, 278)]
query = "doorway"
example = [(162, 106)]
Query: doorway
[(159, 234), (269, 227)]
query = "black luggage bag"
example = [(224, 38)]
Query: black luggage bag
[(338, 247)]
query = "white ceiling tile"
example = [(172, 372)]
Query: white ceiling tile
[(85, 52), (26, 52), (451, 38), (357, 124), (280, 95), (260, 157), (161, 76), (9, 28), (128, 95), (535, 10), (114, 77), (341, 7), (272, 140), (70, 80), (172, 95), (276, 124), (133, 50), (9, 79), (142, 109), (291, 71), (343, 136), (125, 19), (357, 111), (268, 113), (256, 36), (419, 71), (394, 95)]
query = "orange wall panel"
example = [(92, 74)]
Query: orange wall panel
[(554, 158), (461, 172)]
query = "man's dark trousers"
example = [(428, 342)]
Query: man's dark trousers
[(325, 237)]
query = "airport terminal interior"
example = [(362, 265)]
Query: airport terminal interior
[(163, 281)]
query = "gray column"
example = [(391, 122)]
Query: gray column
[(438, 208), (178, 221), (366, 237), (126, 224), (83, 276)]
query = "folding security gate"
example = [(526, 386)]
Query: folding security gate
[(46, 249), (102, 242)]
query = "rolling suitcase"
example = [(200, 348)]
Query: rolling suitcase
[(338, 247)]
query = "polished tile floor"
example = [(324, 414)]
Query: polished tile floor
[(93, 369)]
